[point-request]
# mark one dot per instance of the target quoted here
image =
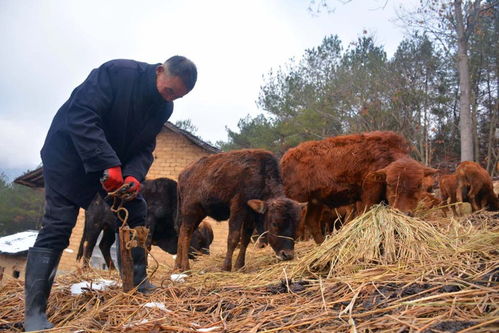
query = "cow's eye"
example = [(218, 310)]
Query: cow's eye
[(274, 224)]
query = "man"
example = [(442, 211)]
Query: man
[(106, 130)]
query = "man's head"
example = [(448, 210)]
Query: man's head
[(176, 77)]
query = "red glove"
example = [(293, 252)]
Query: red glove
[(135, 184), (112, 179)]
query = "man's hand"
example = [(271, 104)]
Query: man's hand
[(134, 184), (112, 179)]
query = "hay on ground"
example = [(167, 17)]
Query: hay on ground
[(383, 272)]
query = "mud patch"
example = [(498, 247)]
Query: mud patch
[(450, 326), (294, 287)]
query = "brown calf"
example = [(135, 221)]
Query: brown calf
[(480, 191), (448, 190), (368, 167), (244, 186)]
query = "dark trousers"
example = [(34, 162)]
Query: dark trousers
[(60, 218)]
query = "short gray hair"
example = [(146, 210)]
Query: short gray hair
[(183, 68)]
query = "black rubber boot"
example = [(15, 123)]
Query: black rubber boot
[(140, 271), (40, 272), (139, 268)]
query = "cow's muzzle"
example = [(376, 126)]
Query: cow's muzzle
[(286, 254)]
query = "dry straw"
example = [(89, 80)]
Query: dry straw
[(379, 237), (383, 272)]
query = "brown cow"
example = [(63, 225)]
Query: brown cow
[(480, 190), (448, 190), (244, 186), (368, 167)]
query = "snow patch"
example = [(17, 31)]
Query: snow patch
[(178, 277), (100, 284), (18, 242), (158, 305)]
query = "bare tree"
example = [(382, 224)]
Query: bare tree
[(463, 33), (452, 23)]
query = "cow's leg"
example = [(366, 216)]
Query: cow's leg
[(300, 229), (350, 213), (313, 221), (247, 231), (445, 199), (151, 222), (484, 201), (236, 221), (459, 190), (472, 195), (373, 192), (188, 224), (88, 246), (105, 244), (452, 200)]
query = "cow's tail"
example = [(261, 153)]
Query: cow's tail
[(82, 242)]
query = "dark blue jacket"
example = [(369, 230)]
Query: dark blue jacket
[(111, 119)]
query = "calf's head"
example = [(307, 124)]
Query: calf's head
[(404, 180), (280, 219)]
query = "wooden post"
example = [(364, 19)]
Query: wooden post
[(126, 258)]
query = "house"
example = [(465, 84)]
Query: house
[(14, 252), (175, 150)]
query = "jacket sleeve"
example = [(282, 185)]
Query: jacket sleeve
[(84, 121), (140, 163)]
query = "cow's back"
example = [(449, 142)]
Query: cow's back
[(251, 173), (472, 174), (342, 162)]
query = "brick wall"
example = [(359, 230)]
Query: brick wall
[(172, 154), (12, 266)]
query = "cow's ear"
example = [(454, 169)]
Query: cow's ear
[(380, 175), (257, 205), (430, 171)]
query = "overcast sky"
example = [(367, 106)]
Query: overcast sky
[(49, 47)]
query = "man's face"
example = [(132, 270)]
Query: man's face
[(170, 87)]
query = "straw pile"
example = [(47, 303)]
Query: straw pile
[(382, 272)]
